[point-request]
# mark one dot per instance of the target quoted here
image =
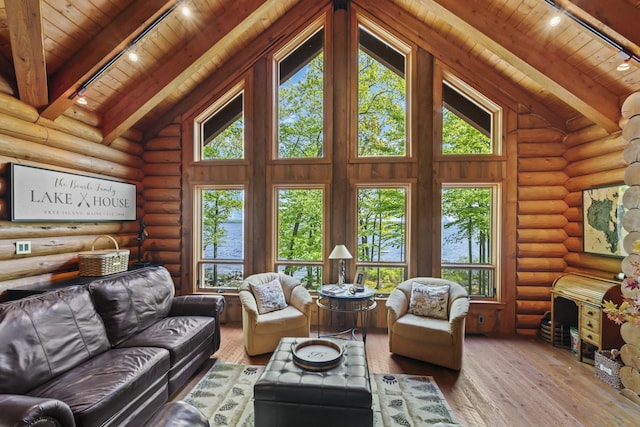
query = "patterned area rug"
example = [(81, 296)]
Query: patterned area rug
[(225, 396)]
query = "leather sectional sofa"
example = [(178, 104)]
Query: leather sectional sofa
[(107, 353)]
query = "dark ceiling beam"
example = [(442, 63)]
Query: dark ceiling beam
[(576, 89), (24, 19), (178, 68), (106, 44)]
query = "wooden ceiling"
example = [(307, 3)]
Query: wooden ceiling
[(49, 48)]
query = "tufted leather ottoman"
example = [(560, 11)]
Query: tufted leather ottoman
[(286, 395)]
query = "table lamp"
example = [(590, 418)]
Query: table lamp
[(340, 252)]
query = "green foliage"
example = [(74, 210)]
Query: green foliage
[(218, 207), (300, 225), (469, 211), (381, 223), (459, 137), (381, 109), (478, 282), (301, 112), (228, 145)]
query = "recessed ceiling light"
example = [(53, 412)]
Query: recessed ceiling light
[(133, 56), (81, 100), (555, 20), (185, 11)]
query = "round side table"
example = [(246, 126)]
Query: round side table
[(341, 300)]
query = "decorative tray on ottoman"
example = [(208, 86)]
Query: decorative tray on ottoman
[(317, 354)]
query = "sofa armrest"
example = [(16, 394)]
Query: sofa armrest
[(200, 305), (21, 410), (458, 314), (197, 305), (301, 299), (249, 306), (459, 309), (397, 306)]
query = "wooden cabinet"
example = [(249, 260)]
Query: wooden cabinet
[(576, 300)]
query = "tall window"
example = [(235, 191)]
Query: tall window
[(382, 99), (220, 258), (301, 101), (382, 236), (469, 231), (300, 234), (222, 132)]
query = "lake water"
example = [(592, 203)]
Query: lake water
[(232, 246)]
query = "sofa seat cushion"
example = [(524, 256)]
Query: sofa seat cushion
[(109, 383), (415, 328), (281, 320), (180, 335)]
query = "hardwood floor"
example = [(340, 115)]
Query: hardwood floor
[(505, 381)]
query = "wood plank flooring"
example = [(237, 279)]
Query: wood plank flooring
[(505, 381)]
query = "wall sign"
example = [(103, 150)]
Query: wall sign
[(46, 195)]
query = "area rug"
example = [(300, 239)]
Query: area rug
[(225, 397)]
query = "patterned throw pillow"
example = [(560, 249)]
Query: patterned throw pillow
[(429, 300), (269, 296)]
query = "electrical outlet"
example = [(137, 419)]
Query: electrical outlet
[(23, 248), (480, 319)]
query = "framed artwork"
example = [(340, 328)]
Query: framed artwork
[(360, 278), (602, 211)]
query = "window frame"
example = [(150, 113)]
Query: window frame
[(319, 24), (496, 236), (395, 42), (359, 265), (482, 101), (221, 102), (198, 259), (275, 261)]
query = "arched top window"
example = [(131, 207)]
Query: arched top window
[(471, 122), (220, 129), (382, 95)]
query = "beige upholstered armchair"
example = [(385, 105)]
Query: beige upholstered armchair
[(274, 306), (435, 334)]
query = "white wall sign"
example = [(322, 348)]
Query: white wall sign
[(46, 195)]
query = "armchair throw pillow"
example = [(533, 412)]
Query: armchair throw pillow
[(269, 296), (429, 300)]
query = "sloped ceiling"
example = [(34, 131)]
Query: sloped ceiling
[(50, 49)]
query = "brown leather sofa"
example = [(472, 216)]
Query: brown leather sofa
[(108, 353)]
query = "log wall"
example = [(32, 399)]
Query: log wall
[(72, 143), (162, 201), (553, 170), (540, 218), (594, 159)]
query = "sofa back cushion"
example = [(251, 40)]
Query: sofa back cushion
[(130, 302), (45, 335)]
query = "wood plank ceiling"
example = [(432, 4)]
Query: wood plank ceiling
[(49, 48)]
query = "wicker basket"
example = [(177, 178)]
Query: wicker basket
[(103, 262), (608, 369)]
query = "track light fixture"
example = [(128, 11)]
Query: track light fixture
[(624, 51), (129, 49)]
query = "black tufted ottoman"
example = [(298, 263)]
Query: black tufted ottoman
[(286, 395)]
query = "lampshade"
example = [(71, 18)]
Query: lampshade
[(340, 252)]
